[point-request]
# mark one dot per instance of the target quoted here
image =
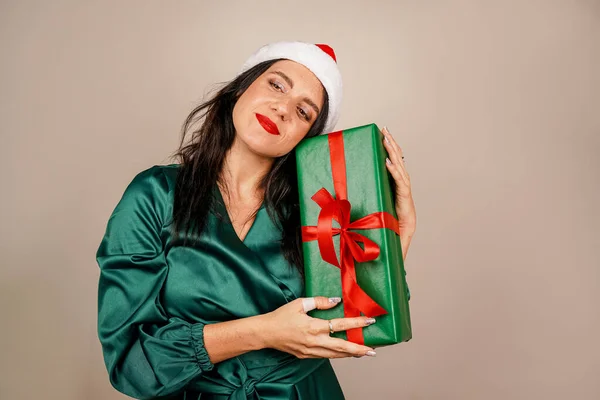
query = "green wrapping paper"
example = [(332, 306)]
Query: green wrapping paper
[(369, 191)]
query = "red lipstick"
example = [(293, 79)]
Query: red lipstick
[(266, 123)]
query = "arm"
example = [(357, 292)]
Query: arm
[(405, 205), (288, 329), (405, 238), (146, 353), (229, 339)]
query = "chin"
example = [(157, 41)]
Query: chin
[(261, 142)]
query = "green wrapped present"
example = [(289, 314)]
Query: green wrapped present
[(350, 236)]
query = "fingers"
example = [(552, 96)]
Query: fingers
[(343, 324), (319, 302), (343, 346), (348, 349), (308, 304), (396, 164), (325, 303), (394, 150), (323, 352), (399, 174), (314, 340)]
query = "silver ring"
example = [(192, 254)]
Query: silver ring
[(331, 331)]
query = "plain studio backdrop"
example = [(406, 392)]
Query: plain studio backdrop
[(497, 107)]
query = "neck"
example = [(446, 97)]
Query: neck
[(243, 171)]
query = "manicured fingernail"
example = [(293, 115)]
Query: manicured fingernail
[(386, 139), (334, 300), (371, 353), (370, 321), (388, 161)]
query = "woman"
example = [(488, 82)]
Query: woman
[(200, 292)]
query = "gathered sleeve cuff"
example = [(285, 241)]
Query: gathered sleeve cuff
[(201, 356)]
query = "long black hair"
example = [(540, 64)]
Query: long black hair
[(207, 134)]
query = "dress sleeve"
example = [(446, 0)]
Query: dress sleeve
[(147, 353)]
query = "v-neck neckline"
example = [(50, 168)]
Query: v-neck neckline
[(230, 223)]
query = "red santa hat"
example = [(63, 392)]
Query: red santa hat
[(319, 59)]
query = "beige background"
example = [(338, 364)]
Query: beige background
[(495, 103)]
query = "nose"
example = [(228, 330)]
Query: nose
[(282, 109)]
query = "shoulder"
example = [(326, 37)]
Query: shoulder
[(136, 222), (156, 182), (151, 190)]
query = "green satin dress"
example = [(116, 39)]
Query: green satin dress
[(156, 295)]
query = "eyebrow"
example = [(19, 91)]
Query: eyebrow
[(291, 83)]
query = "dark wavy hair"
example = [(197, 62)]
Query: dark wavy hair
[(207, 134)]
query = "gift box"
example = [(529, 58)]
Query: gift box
[(350, 237)]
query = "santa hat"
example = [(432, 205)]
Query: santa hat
[(319, 59)]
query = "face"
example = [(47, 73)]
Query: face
[(278, 109)]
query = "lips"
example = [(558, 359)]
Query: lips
[(266, 123)]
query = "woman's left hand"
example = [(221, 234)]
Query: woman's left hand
[(405, 206)]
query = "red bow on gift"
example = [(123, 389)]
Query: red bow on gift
[(355, 299)]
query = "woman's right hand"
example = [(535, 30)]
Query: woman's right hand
[(290, 329)]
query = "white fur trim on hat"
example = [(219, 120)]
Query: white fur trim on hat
[(317, 61)]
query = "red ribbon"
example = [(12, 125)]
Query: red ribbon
[(338, 208)]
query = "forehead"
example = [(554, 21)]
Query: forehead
[(304, 80)]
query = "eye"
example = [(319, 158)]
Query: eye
[(303, 114), (276, 85)]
